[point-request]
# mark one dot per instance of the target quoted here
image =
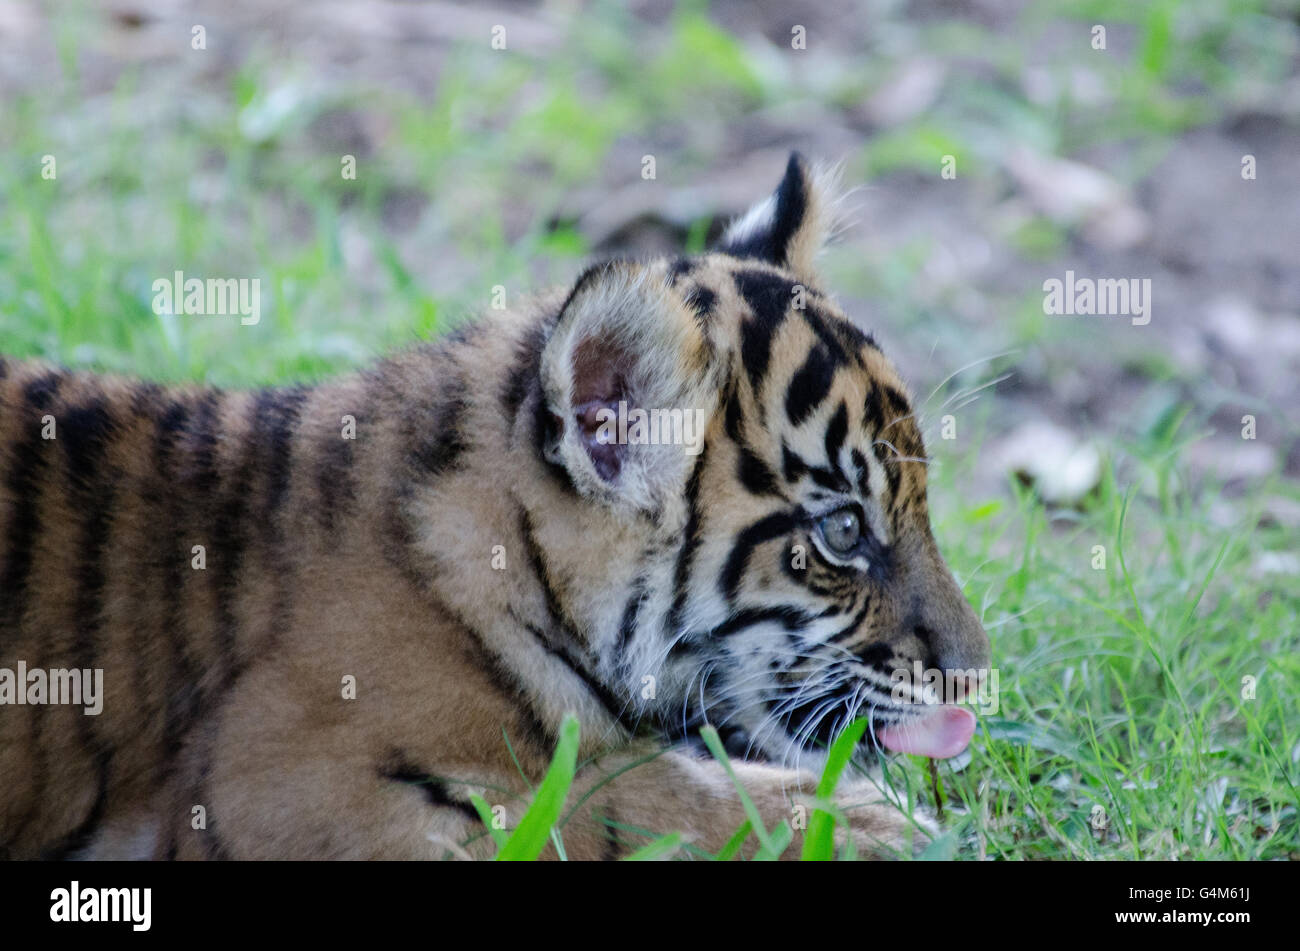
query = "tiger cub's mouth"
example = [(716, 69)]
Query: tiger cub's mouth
[(941, 731)]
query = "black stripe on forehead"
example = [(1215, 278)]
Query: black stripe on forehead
[(768, 297), (895, 404), (811, 384), (831, 339), (863, 473), (754, 473), (889, 411), (794, 467), (836, 430), (839, 334), (873, 418), (893, 471)]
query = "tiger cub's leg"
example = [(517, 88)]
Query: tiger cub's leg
[(287, 769), (675, 792)]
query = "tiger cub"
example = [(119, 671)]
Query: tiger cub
[(680, 492)]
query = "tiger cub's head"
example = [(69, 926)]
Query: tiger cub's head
[(754, 546)]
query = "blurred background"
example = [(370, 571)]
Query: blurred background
[(209, 137)]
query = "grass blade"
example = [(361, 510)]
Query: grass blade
[(485, 813), (660, 848), (711, 739), (534, 829), (819, 841)]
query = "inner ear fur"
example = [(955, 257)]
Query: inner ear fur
[(623, 337)]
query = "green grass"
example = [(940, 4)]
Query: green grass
[(1121, 689), (1124, 688)]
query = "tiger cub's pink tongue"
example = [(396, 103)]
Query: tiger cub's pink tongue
[(943, 731)]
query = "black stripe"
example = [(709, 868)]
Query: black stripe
[(24, 484), (893, 471), (86, 432), (896, 404), (795, 467), (810, 385), (563, 623), (733, 416), (838, 336), (335, 480), (508, 685), (876, 656), (789, 617), (201, 446), (616, 709), (400, 769), (440, 450), (768, 297), (144, 397), (836, 430), (40, 392), (182, 678), (542, 572), (276, 419), (863, 473), (690, 544), (873, 415), (764, 530), (631, 614), (523, 384), (278, 428), (854, 624), (546, 432), (230, 537), (702, 302), (755, 474), (524, 372)]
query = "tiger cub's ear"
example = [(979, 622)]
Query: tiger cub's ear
[(790, 226), (629, 384)]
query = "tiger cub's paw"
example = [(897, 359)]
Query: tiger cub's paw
[(883, 831)]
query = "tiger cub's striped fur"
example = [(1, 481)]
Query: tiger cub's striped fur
[(481, 560)]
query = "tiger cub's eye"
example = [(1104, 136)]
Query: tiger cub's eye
[(841, 531)]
